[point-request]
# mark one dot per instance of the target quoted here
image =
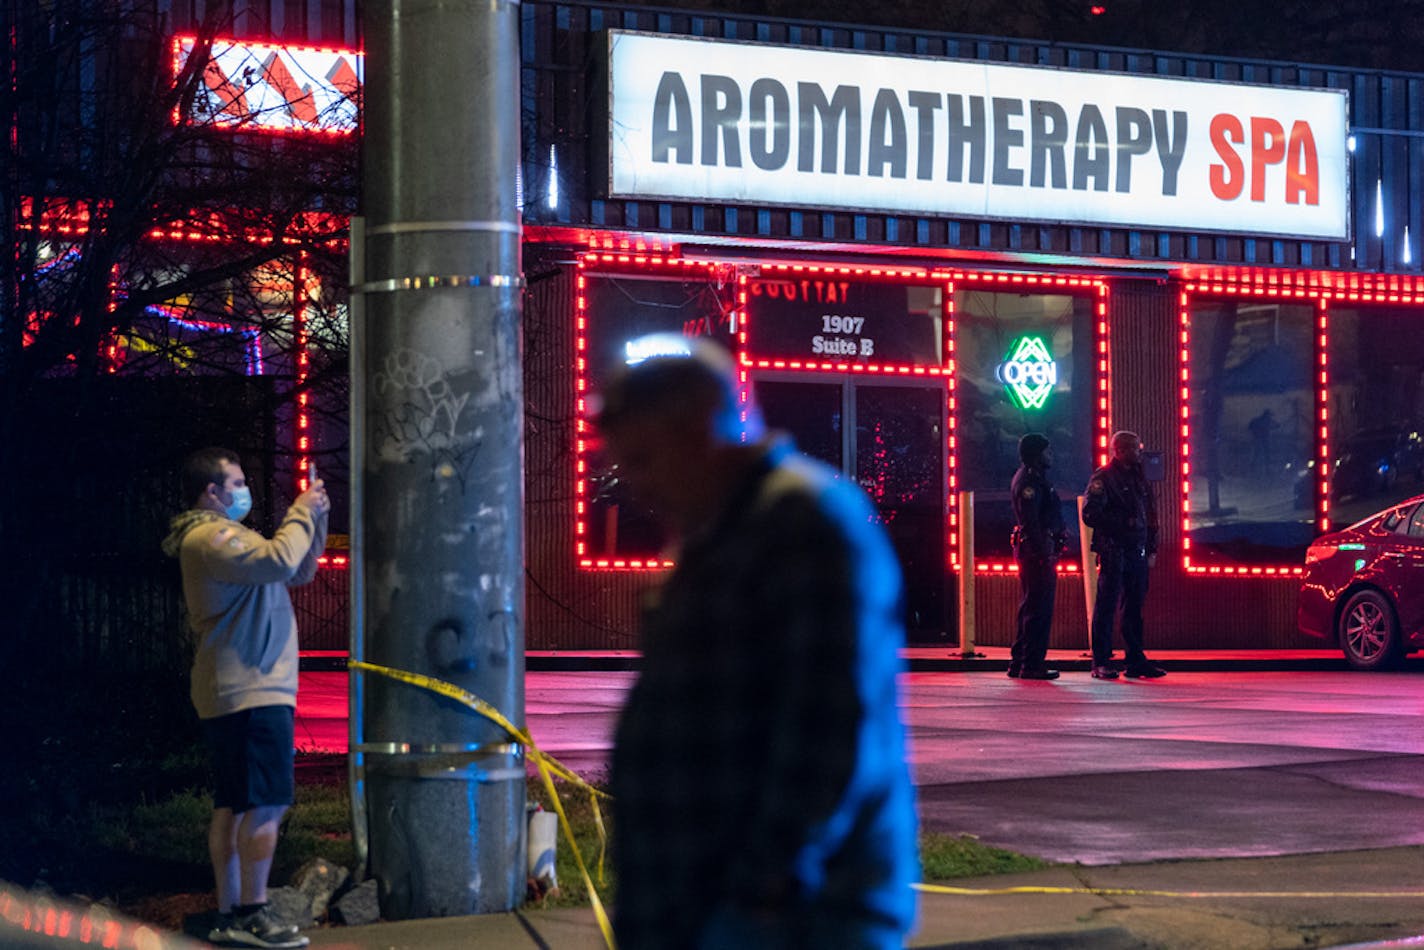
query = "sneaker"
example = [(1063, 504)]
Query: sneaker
[(1145, 671), (1104, 673), (221, 931), (261, 929), (1014, 672), (1038, 673)]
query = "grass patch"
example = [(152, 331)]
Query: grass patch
[(578, 806), (173, 832), (318, 826), (942, 857), (945, 857)]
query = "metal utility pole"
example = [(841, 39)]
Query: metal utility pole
[(440, 396)]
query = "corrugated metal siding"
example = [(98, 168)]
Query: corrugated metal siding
[(323, 610), (996, 606), (572, 609), (561, 43), (316, 22), (1184, 611), (560, 47)]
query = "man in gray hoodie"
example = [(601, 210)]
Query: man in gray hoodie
[(244, 683)]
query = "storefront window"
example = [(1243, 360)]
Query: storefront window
[(619, 310), (1025, 364), (1376, 408), (1250, 431)]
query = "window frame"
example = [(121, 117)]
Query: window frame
[(1322, 297)]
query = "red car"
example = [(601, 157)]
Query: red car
[(1364, 587)]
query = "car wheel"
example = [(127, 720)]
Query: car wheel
[(1368, 631)]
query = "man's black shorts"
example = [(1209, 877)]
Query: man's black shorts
[(252, 757)]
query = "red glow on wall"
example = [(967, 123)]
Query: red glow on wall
[(1282, 282), (1022, 283), (301, 301), (1322, 462), (816, 271), (58, 217), (1103, 416), (944, 371), (622, 257), (71, 218), (111, 344), (1321, 289)]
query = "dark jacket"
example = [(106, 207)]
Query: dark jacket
[(761, 751), (1038, 514), (1120, 509)]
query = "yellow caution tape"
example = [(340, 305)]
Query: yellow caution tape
[(1139, 892), (547, 764)]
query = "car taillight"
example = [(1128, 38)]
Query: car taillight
[(1318, 552)]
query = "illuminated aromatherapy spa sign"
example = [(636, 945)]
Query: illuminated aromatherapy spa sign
[(276, 88), (705, 120), (1029, 373)]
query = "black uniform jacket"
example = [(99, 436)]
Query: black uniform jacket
[(1120, 510), (1039, 514)]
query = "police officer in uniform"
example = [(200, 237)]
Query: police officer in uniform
[(1038, 539), (1119, 508)]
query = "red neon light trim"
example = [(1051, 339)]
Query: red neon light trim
[(643, 256), (952, 426), (70, 218), (1103, 418), (1102, 394), (625, 564), (341, 78), (1323, 460), (301, 300), (1321, 294), (945, 371), (1011, 567)]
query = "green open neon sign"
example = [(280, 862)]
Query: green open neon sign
[(1029, 372)]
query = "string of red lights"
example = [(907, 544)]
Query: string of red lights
[(656, 258)]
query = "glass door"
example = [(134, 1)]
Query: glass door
[(889, 437), (899, 457)]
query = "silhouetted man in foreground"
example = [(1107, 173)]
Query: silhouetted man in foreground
[(761, 793)]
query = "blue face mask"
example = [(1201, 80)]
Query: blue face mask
[(241, 503)]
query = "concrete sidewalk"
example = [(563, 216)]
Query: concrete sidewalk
[(1200, 904)]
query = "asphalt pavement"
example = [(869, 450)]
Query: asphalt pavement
[(1231, 806)]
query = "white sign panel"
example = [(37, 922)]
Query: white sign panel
[(276, 88), (704, 120)]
